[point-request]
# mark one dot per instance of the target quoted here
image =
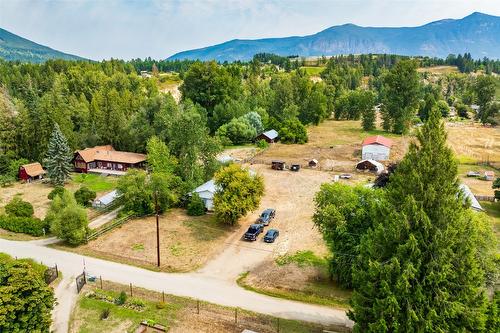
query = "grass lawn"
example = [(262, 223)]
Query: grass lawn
[(178, 314), (96, 183), (492, 209), (313, 70), (310, 282)]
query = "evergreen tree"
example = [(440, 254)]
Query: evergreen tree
[(423, 267), (58, 161)]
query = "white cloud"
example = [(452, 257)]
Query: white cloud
[(128, 29)]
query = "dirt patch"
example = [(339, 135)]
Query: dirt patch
[(186, 242)]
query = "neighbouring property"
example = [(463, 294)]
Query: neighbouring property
[(270, 136), (376, 148), (106, 160), (206, 192), (30, 172), (106, 200), (489, 175), (370, 165)]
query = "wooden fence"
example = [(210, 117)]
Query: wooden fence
[(485, 198), (109, 226)]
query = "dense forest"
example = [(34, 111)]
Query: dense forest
[(108, 102)]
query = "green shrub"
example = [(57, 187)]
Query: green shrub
[(137, 302), (18, 207), (195, 207), (262, 144), (28, 225), (84, 196), (121, 299), (105, 313), (161, 305), (57, 191)]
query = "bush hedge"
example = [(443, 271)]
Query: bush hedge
[(28, 225), (196, 206), (18, 207)]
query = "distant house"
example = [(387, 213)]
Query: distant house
[(474, 204), (489, 175), (106, 199), (106, 160), (30, 172), (270, 136), (146, 74), (206, 192), (376, 148), (370, 165)]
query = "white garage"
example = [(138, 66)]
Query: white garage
[(376, 148), (206, 192)]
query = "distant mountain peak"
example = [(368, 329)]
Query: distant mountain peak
[(476, 33), (17, 48)]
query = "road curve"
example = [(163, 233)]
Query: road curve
[(195, 285)]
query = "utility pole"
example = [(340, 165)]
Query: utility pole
[(157, 211)]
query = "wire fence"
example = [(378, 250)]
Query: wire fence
[(204, 313), (109, 226)]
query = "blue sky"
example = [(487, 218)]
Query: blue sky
[(101, 29)]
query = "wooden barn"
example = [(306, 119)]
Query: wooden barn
[(270, 136), (376, 148), (278, 165), (105, 159), (30, 172), (313, 163)]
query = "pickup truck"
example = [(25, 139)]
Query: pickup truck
[(253, 232)]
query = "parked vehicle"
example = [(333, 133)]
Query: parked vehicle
[(271, 235), (254, 231), (278, 165), (473, 174), (345, 176), (295, 167), (266, 216)]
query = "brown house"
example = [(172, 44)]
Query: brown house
[(105, 159), (270, 136), (30, 172)]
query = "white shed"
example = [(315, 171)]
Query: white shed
[(370, 165), (206, 193), (106, 199), (474, 204), (376, 148)]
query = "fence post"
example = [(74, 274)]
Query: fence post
[(100, 279), (57, 271), (236, 315), (163, 296), (198, 306), (278, 325), (131, 289)]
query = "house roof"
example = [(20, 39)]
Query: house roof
[(271, 134), (207, 187), (33, 169), (108, 198), (474, 204), (379, 166), (489, 173), (378, 139), (108, 154)]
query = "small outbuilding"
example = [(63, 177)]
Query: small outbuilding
[(313, 163), (489, 175), (270, 136), (30, 172), (468, 195), (278, 165), (370, 165), (106, 200), (206, 192), (376, 148)]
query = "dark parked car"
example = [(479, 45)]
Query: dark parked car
[(266, 216), (345, 176), (271, 235), (253, 232)]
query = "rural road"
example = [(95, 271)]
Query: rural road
[(105, 218), (196, 285)]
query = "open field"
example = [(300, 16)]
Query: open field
[(473, 143), (96, 183), (177, 314), (438, 69), (492, 210), (313, 70), (186, 242)]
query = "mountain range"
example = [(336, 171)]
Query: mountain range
[(478, 34), (13, 47)]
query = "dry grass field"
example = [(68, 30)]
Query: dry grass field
[(438, 69), (186, 242)]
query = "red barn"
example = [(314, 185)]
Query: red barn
[(105, 159), (32, 171)]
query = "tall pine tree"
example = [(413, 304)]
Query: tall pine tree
[(423, 267), (58, 160)]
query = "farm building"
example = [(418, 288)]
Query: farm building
[(105, 159), (468, 195), (30, 172), (370, 165), (489, 175), (106, 199), (313, 163), (206, 192), (270, 136), (278, 165), (376, 148)]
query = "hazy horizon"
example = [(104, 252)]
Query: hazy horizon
[(138, 29)]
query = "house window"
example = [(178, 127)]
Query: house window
[(119, 166)]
